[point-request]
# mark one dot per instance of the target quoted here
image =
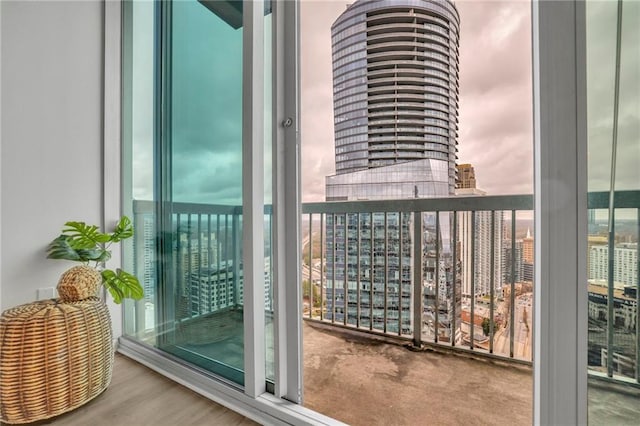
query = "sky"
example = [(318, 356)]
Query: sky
[(495, 112), (495, 132), (601, 42)]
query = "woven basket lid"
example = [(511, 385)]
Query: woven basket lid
[(79, 283)]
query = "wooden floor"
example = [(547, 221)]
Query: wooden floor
[(139, 396)]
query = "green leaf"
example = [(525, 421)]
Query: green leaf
[(123, 230), (83, 236), (122, 285), (61, 249), (108, 279), (95, 255)]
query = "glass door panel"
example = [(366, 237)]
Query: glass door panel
[(268, 195), (613, 105), (183, 70), (203, 186)]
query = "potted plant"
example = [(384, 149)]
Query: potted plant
[(57, 354), (86, 244)]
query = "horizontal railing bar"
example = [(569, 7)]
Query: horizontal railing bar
[(146, 206), (489, 202), (596, 200), (622, 200)]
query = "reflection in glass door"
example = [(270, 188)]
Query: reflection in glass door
[(201, 187), (613, 91), (183, 155)]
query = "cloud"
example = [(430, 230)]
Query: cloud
[(495, 105), (601, 42), (496, 117), (318, 156)]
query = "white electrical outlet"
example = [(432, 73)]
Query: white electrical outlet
[(46, 293)]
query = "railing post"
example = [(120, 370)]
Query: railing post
[(454, 278), (371, 269), (400, 279), (472, 296), (638, 304), (492, 294), (436, 299), (512, 294), (417, 279), (310, 245), (358, 248), (345, 271), (333, 284), (610, 287), (322, 269), (235, 231), (386, 272)]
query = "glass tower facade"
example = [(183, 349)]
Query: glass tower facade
[(396, 90), (395, 85)]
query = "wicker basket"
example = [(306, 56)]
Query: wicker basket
[(54, 357)]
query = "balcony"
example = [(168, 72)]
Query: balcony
[(367, 239), (419, 253), (386, 287)]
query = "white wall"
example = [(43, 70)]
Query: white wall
[(51, 110)]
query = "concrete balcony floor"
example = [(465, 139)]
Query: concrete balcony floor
[(363, 381)]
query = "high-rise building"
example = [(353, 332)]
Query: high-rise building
[(466, 177), (512, 269), (625, 263), (395, 88), (527, 257), (477, 231), (527, 248)]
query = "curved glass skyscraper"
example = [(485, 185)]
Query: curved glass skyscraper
[(395, 87)]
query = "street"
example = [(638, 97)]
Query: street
[(522, 330)]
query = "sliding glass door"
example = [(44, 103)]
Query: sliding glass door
[(186, 85), (613, 102)]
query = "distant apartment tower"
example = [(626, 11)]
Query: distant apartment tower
[(466, 177), (144, 254), (219, 287), (480, 242), (625, 263), (395, 92), (527, 257), (511, 261), (395, 86)]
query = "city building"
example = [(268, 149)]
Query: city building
[(511, 261), (594, 240), (476, 236), (395, 91), (527, 248), (144, 255), (625, 263), (466, 177), (213, 289)]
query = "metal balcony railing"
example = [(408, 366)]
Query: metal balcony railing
[(427, 301), (403, 268), (440, 271)]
